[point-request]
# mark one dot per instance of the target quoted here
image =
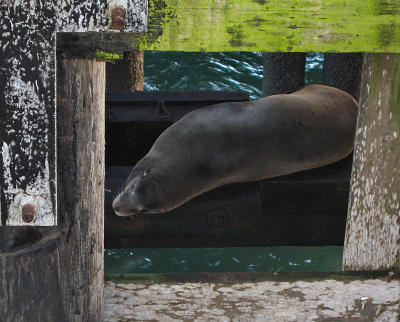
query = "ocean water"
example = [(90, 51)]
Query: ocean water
[(237, 71)]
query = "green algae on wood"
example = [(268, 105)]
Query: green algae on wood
[(274, 25), (107, 57)]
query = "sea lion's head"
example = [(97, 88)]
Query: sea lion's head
[(139, 195), (151, 187)]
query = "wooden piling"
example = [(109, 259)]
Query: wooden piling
[(80, 106), (283, 72), (57, 273), (373, 224), (126, 74), (343, 71)]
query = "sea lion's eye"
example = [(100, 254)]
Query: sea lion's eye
[(145, 172)]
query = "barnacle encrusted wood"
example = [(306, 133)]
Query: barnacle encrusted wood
[(27, 95)]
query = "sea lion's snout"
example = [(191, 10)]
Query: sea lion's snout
[(127, 203), (124, 204)]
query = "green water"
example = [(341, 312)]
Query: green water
[(232, 259), (238, 71)]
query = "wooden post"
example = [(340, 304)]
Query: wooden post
[(283, 72), (80, 94), (373, 225), (343, 71), (57, 273), (126, 74)]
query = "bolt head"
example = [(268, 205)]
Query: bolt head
[(118, 18), (217, 217), (28, 212)]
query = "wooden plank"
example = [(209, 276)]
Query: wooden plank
[(258, 25), (145, 115), (252, 297), (25, 279), (274, 25), (373, 226), (306, 208)]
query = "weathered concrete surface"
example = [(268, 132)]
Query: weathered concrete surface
[(328, 300)]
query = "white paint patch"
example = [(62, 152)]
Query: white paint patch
[(118, 3), (136, 16), (5, 153), (33, 194), (137, 12)]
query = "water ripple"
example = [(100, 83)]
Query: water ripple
[(231, 259), (237, 71), (233, 71)]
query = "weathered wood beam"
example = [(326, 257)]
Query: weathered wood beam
[(373, 225), (56, 273), (252, 297), (258, 25), (273, 26), (30, 283)]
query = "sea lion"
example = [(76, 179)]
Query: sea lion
[(241, 141)]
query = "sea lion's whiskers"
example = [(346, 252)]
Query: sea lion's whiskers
[(117, 193)]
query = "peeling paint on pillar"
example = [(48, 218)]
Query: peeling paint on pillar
[(27, 93)]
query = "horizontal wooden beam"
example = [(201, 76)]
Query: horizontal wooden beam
[(252, 297), (273, 25), (246, 214), (256, 25)]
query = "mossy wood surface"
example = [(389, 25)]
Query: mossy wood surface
[(273, 25), (373, 224)]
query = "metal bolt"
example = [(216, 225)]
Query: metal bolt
[(28, 212), (217, 217), (118, 18)]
